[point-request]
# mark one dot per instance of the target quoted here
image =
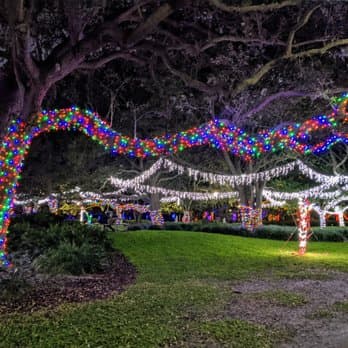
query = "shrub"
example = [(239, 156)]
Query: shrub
[(72, 259), (36, 240), (67, 247), (78, 234), (24, 237), (39, 219)]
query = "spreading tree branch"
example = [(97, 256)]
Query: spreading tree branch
[(230, 38), (290, 94), (322, 50), (253, 8), (67, 58), (150, 24), (188, 80), (96, 64), (270, 99), (259, 74), (299, 25), (127, 15)]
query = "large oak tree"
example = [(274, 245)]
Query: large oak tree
[(240, 59)]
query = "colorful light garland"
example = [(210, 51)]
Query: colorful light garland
[(156, 218), (216, 133), (250, 217)]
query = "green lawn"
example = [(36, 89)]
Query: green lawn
[(184, 280)]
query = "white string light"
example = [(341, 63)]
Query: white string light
[(86, 197), (320, 178), (336, 202), (174, 196), (318, 192), (232, 180), (275, 198), (240, 179), (272, 203), (195, 196), (145, 175)]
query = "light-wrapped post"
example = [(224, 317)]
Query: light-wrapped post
[(303, 224)]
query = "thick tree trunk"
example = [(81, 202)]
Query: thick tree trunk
[(250, 195), (33, 99), (15, 102), (155, 202), (155, 207)]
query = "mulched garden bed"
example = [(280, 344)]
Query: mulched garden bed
[(53, 291)]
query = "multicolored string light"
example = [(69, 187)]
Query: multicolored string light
[(216, 133), (156, 218), (250, 217)]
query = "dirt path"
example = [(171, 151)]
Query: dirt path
[(313, 319)]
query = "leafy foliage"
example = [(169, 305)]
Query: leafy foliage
[(67, 247), (68, 258)]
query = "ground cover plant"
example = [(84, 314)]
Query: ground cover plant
[(186, 280)]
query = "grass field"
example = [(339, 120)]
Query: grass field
[(184, 280)]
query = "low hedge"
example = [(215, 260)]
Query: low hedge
[(329, 234)]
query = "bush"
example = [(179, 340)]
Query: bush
[(24, 237), (39, 219), (78, 234), (57, 247), (277, 232), (36, 240), (72, 259)]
